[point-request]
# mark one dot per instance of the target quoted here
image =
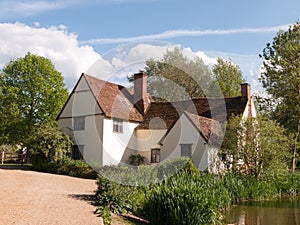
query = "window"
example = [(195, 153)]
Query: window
[(77, 152), (79, 123), (117, 126), (155, 155), (186, 150)]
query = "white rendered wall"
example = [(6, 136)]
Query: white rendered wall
[(142, 141), (184, 132), (115, 144), (82, 102), (90, 137), (253, 109)]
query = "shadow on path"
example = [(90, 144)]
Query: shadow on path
[(84, 197), (15, 167)]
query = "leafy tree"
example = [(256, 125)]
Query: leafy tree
[(255, 145), (48, 145), (177, 77), (32, 92), (229, 77), (281, 79)]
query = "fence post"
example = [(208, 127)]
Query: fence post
[(2, 157)]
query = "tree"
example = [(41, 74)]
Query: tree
[(255, 145), (229, 77), (177, 77), (281, 80), (32, 92)]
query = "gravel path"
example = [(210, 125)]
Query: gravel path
[(32, 198)]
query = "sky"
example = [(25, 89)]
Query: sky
[(112, 38)]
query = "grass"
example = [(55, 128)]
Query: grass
[(128, 219)]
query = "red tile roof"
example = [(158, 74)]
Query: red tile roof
[(114, 100), (210, 129), (218, 109)]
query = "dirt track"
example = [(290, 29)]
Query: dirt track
[(32, 198)]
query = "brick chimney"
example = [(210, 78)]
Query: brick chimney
[(246, 92), (140, 97)]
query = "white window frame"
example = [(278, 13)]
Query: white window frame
[(117, 126), (155, 155)]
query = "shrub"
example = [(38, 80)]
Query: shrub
[(104, 212), (76, 168), (48, 145), (136, 160), (119, 197)]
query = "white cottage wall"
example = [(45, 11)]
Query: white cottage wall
[(115, 144), (82, 102), (184, 132)]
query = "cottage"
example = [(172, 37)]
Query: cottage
[(109, 123)]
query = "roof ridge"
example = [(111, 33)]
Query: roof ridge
[(108, 82)]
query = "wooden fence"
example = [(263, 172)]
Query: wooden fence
[(13, 157)]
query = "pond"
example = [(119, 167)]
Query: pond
[(279, 212)]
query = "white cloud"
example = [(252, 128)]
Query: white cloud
[(13, 9), (71, 58), (36, 24), (55, 43), (21, 8), (128, 59), (184, 33)]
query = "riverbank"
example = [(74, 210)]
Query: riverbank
[(189, 197)]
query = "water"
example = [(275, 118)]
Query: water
[(279, 212)]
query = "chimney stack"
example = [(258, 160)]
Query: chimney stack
[(140, 96), (246, 92)]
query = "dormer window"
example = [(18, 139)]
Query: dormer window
[(117, 126)]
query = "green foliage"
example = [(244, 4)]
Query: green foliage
[(124, 188), (170, 168), (48, 145), (133, 176), (76, 168), (281, 80), (255, 146), (176, 77), (136, 160), (228, 77), (187, 198), (118, 197), (32, 93), (104, 212)]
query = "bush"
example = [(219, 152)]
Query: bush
[(104, 212), (76, 168), (119, 197), (48, 145)]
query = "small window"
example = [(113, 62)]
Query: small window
[(79, 123), (118, 126), (155, 155), (77, 152), (186, 150)]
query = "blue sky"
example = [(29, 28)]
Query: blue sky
[(73, 34)]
